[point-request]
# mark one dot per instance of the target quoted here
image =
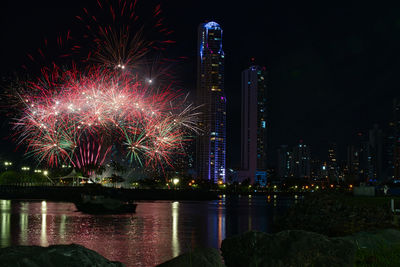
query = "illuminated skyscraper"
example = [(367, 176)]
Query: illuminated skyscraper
[(353, 160), (333, 164), (284, 160), (211, 143), (254, 124), (301, 161), (376, 152)]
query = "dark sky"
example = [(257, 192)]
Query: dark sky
[(333, 69)]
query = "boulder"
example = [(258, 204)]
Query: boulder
[(335, 215), (286, 248), (376, 248), (53, 256), (201, 257), (374, 239)]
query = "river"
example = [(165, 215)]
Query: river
[(157, 232)]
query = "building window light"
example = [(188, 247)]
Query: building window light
[(263, 124)]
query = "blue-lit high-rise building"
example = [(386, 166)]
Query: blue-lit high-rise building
[(211, 142)]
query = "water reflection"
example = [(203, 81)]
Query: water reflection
[(221, 221), (23, 223), (62, 227), (43, 232), (175, 217), (5, 206), (157, 232)]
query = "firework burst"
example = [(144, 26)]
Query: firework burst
[(77, 115), (120, 41)]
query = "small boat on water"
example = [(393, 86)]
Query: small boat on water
[(100, 204)]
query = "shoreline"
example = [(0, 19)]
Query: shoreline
[(72, 194)]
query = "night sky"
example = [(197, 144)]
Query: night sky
[(333, 69)]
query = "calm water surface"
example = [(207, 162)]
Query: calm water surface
[(157, 232)]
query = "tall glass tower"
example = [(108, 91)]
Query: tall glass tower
[(254, 125), (211, 142)]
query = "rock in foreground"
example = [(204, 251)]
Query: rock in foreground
[(204, 257), (336, 215), (286, 248), (374, 239), (53, 256)]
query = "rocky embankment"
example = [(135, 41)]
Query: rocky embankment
[(336, 215), (53, 256), (296, 248)]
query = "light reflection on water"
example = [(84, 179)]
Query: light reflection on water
[(5, 206), (175, 240), (157, 232)]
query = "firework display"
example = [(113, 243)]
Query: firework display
[(77, 115)]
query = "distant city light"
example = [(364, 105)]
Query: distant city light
[(175, 181)]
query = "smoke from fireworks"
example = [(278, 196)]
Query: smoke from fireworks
[(77, 115)]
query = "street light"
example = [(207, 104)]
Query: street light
[(7, 164)]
